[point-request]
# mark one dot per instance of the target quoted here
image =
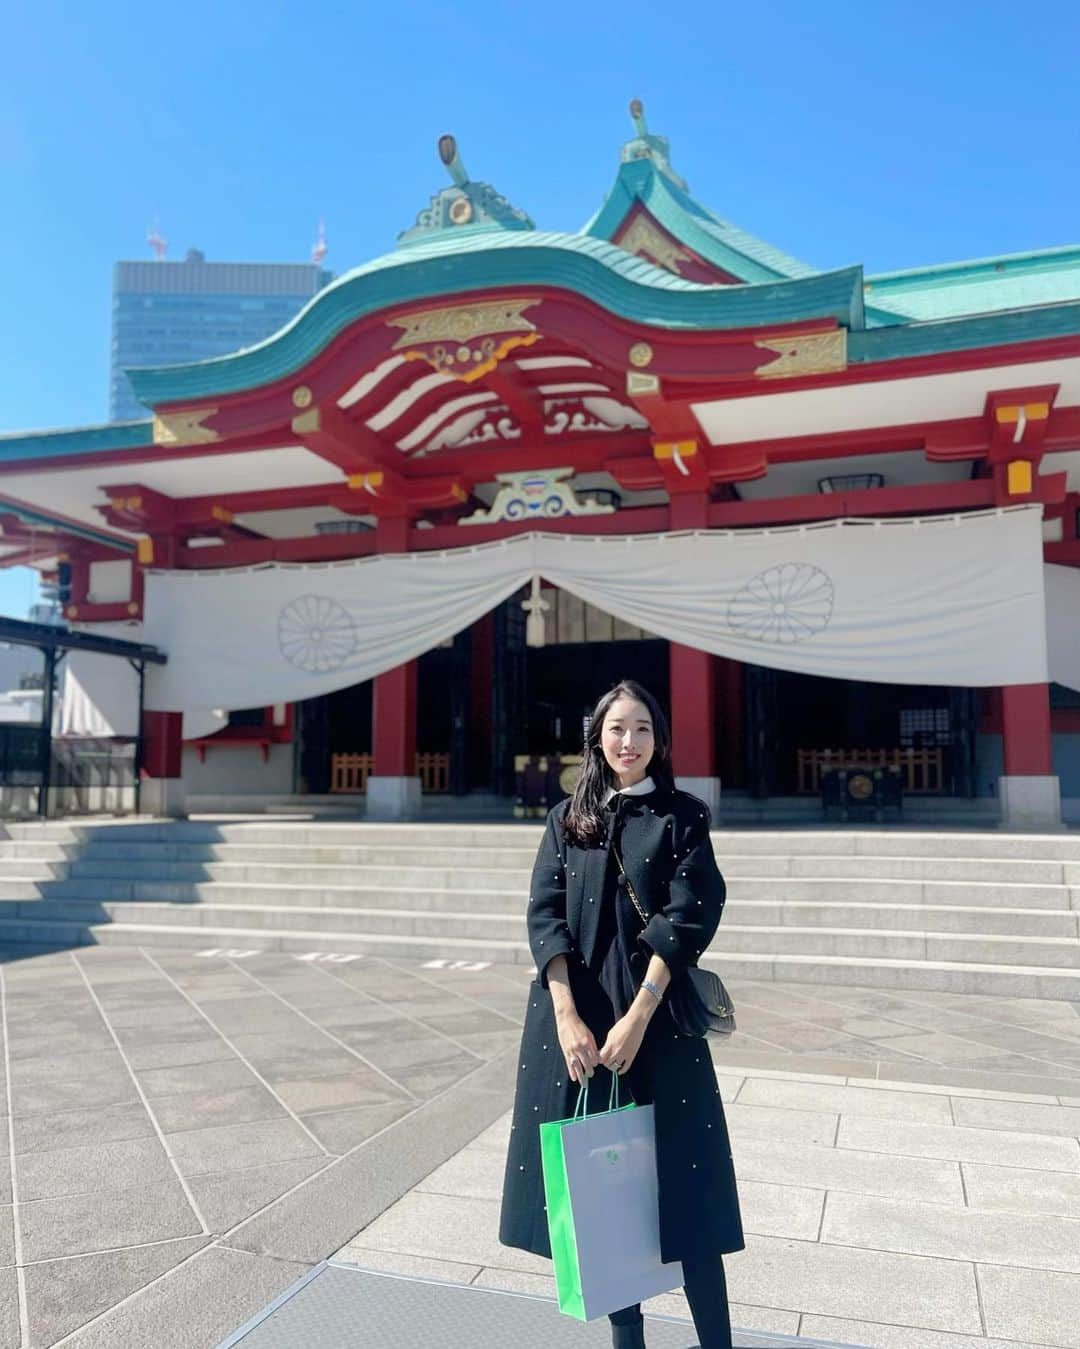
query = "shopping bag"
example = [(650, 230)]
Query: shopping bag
[(603, 1208)]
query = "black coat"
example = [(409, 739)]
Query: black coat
[(667, 853)]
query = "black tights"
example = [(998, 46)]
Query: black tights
[(705, 1285)]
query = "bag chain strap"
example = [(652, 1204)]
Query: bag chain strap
[(629, 888)]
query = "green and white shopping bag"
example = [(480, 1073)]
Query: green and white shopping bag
[(603, 1207)]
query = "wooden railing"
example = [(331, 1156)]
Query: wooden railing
[(434, 772), (350, 772), (923, 770)]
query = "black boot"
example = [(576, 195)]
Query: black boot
[(629, 1337)]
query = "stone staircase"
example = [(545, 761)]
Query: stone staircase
[(989, 913)]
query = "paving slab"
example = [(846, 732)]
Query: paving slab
[(78, 1224), (876, 1335), (199, 1303), (854, 1101), (63, 1295), (1036, 1119), (1029, 1304), (1015, 1190), (960, 1144), (73, 1128), (839, 1169), (339, 1131), (348, 1195), (233, 1146), (223, 1074), (1039, 1241), (228, 1198), (92, 1168), (795, 1122)]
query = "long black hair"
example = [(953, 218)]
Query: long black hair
[(583, 823)]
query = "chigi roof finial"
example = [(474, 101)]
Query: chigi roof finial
[(466, 206), (448, 153), (647, 146)]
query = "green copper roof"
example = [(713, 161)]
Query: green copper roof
[(466, 208), (983, 285), (74, 527), (963, 333), (74, 440), (646, 176), (449, 264)]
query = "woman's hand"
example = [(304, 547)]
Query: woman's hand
[(578, 1045), (623, 1042)]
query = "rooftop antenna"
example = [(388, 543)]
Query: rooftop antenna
[(155, 240), (319, 250)]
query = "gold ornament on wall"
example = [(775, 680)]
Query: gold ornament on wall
[(640, 354), (804, 354), (184, 428), (643, 237), (466, 341)]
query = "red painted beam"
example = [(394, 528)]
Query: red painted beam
[(1065, 554), (347, 444), (250, 553), (911, 500), (116, 612), (524, 404)]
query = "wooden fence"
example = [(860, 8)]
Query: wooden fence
[(922, 770), (350, 772)]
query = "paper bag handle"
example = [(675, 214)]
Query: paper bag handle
[(583, 1097)]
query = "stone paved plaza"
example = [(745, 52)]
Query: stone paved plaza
[(190, 1132)]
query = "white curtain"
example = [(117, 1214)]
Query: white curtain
[(1063, 624), (99, 696), (954, 600)]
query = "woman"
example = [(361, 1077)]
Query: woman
[(597, 1005)]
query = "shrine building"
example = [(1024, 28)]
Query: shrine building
[(399, 548)]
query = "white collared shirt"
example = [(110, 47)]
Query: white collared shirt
[(641, 788)]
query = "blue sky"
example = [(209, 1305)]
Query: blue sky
[(891, 135)]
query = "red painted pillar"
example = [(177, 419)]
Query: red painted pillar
[(1025, 730), (1029, 792), (162, 746), (393, 705), (480, 668), (393, 714), (692, 679), (729, 716), (161, 783), (693, 712)]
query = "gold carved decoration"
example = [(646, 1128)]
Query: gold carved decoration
[(638, 384), (307, 422), (466, 341), (643, 236), (640, 354), (184, 428), (302, 396), (804, 354)]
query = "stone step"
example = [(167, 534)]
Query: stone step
[(850, 842), (836, 970), (740, 908), (419, 885), (285, 864), (733, 936)]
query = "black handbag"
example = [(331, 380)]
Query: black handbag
[(697, 999)]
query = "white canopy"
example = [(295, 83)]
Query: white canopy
[(1063, 624), (955, 600)]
